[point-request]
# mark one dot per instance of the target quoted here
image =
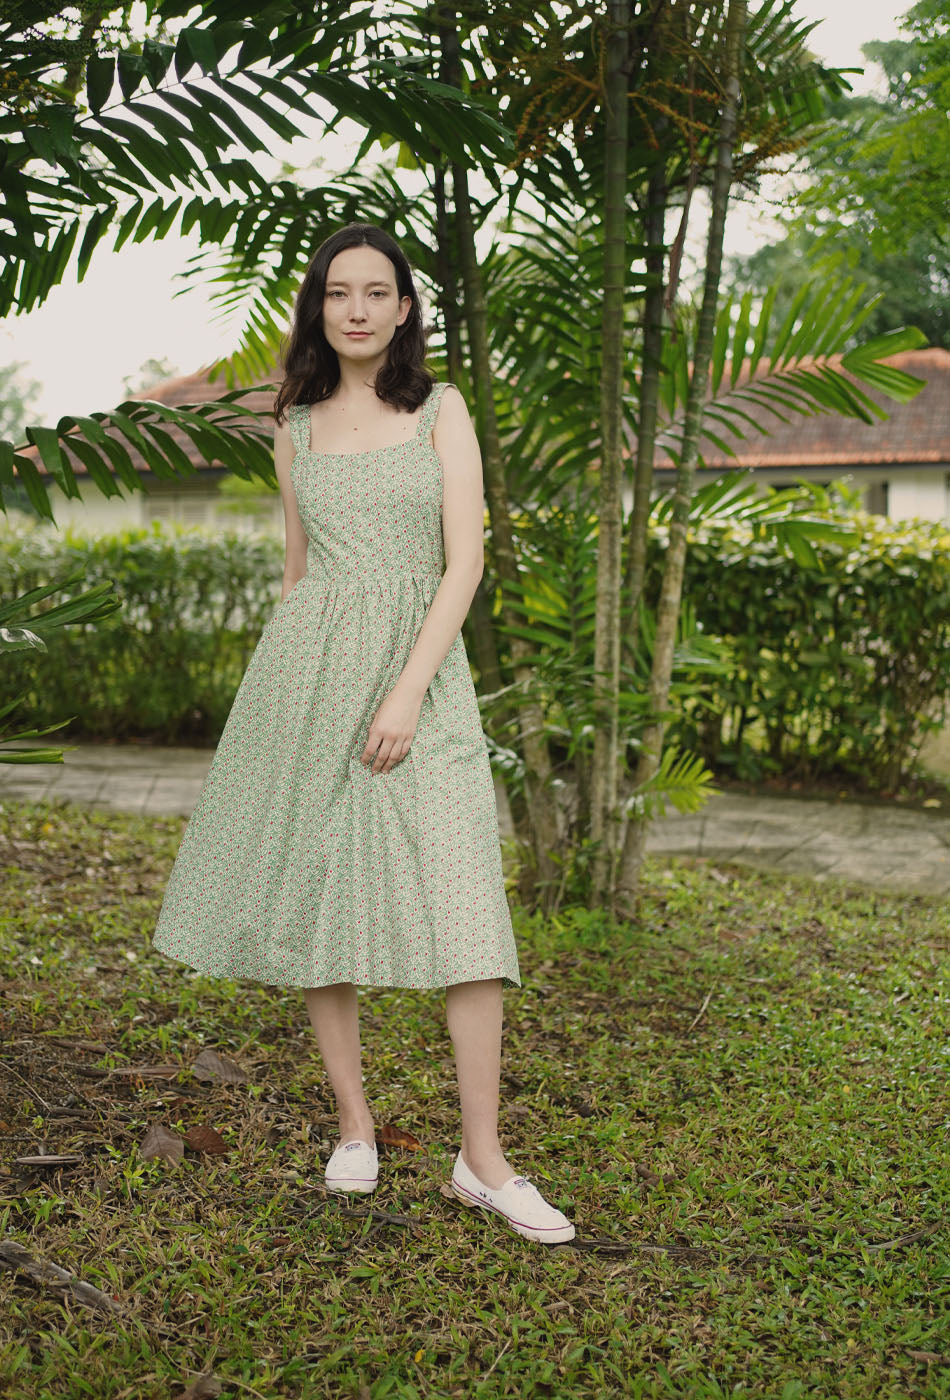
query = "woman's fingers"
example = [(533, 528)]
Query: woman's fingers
[(394, 755)]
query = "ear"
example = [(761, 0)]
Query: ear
[(403, 313)]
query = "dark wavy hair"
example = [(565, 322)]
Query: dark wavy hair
[(310, 364)]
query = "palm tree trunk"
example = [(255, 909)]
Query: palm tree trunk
[(542, 816), (672, 586), (479, 633), (536, 819), (647, 417), (654, 227), (446, 272), (603, 777)]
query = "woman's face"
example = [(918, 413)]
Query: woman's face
[(361, 304)]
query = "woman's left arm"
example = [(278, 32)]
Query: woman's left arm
[(463, 531)]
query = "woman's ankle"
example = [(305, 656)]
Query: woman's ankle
[(357, 1125), (481, 1153)]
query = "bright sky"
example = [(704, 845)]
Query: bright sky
[(87, 336)]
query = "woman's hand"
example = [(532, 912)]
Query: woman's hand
[(392, 730)]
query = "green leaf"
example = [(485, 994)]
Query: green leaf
[(100, 76), (720, 346), (200, 44), (34, 486), (800, 547), (156, 60), (740, 337), (99, 473), (882, 347), (131, 71), (41, 143), (95, 230)]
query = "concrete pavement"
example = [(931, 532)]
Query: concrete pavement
[(872, 844)]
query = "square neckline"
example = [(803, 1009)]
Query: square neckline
[(307, 426)]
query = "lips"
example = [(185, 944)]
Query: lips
[(357, 335)]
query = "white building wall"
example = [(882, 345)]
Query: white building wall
[(921, 494), (911, 493), (101, 515)]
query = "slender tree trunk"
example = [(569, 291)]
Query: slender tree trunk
[(536, 818), (446, 268), (604, 774), (647, 417), (672, 586), (542, 813), (480, 634), (655, 225)]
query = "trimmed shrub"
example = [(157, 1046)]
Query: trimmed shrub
[(167, 665), (841, 669)]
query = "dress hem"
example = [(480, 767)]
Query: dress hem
[(506, 980)]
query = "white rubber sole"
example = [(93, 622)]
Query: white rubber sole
[(348, 1184)]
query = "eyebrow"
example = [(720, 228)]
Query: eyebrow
[(376, 283)]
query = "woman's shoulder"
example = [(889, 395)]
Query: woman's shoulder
[(449, 394), (438, 391)]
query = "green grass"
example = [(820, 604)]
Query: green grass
[(742, 1103)]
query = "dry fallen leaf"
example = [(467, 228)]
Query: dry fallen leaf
[(205, 1139), (46, 1274), (394, 1136), (160, 1142), (211, 1065), (94, 1046), (206, 1387)]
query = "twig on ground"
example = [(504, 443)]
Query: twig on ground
[(41, 1271), (32, 1092), (903, 1239), (706, 1000)]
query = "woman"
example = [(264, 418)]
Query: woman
[(347, 831)]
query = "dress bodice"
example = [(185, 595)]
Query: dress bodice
[(371, 515)]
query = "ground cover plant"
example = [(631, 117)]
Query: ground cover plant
[(741, 1101)]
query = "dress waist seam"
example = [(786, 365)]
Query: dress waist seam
[(337, 580)]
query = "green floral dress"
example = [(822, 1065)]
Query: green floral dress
[(300, 867)]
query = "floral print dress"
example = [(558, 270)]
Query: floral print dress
[(299, 866)]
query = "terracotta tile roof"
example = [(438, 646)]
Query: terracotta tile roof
[(914, 432)]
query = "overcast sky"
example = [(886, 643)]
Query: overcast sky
[(87, 336)]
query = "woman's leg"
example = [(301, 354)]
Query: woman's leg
[(473, 1011), (335, 1019)]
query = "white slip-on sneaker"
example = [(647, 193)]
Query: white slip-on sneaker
[(518, 1200), (353, 1166)]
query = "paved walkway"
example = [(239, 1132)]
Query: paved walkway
[(870, 843)]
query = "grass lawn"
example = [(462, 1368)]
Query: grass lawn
[(742, 1103)]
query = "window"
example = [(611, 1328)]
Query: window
[(875, 499)]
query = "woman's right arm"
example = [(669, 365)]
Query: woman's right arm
[(295, 537)]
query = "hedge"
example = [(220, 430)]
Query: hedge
[(167, 665), (840, 670)]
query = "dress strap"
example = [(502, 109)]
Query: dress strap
[(430, 409), (299, 416)]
